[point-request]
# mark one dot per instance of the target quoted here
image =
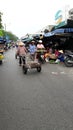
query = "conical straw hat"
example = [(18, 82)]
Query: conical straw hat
[(61, 51), (20, 43)]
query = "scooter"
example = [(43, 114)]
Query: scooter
[(1, 56), (41, 56), (68, 58)]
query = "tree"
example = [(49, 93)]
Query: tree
[(5, 33), (1, 26), (11, 36), (1, 33)]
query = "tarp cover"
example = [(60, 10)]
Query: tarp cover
[(59, 31)]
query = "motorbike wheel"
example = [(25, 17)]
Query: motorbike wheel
[(67, 63), (24, 70), (41, 61), (39, 69)]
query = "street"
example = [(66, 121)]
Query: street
[(36, 101)]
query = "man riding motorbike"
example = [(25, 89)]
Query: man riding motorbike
[(40, 51)]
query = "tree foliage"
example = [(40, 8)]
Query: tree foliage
[(11, 36), (1, 26), (5, 33)]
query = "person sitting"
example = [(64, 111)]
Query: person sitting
[(61, 56), (50, 55)]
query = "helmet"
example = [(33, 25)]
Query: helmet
[(40, 41)]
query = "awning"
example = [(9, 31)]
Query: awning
[(49, 34), (1, 39), (27, 39), (59, 31), (65, 24)]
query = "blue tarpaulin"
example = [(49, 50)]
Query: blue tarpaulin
[(59, 31), (1, 39)]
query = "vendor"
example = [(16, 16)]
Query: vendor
[(50, 55)]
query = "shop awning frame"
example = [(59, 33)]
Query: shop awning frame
[(59, 31)]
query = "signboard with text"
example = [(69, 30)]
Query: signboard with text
[(61, 17)]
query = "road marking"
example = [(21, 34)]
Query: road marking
[(62, 72), (55, 73)]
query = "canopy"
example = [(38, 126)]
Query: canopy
[(1, 39), (59, 31)]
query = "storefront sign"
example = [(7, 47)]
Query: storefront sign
[(61, 17), (58, 17)]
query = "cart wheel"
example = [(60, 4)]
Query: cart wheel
[(0, 62), (39, 69), (15, 56), (24, 70)]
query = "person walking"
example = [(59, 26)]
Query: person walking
[(32, 50), (22, 52)]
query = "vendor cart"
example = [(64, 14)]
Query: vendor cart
[(31, 64)]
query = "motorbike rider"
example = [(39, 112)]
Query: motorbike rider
[(40, 50), (40, 45), (21, 50)]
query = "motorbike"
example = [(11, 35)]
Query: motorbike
[(41, 55), (1, 56), (68, 58)]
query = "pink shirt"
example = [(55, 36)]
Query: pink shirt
[(21, 50), (40, 46), (56, 53)]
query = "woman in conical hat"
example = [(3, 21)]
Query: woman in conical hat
[(21, 43), (21, 51)]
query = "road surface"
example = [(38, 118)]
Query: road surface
[(36, 101)]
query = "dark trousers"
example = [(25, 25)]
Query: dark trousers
[(21, 60)]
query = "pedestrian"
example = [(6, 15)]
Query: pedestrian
[(21, 50), (32, 50)]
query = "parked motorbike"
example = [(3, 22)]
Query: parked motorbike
[(68, 58)]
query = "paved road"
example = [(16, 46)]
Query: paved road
[(36, 101)]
